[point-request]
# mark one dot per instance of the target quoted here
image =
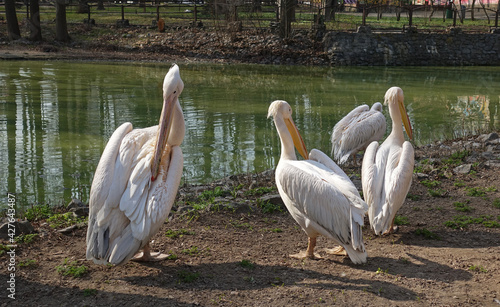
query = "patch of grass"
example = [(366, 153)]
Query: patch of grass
[(478, 268), (404, 260), (71, 269), (463, 221), (459, 184), (430, 183), (212, 194), (89, 292), (191, 251), (235, 190), (259, 191), (187, 277), (28, 263), (476, 192), (427, 234), (64, 220), (246, 264), (241, 225), (462, 207), (437, 193), (496, 203), (3, 249), (401, 220), (268, 207), (174, 234), (413, 197), (27, 238), (38, 212), (380, 271), (457, 157), (491, 224), (172, 256)]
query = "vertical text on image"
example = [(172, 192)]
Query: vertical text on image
[(11, 232)]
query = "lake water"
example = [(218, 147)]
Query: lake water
[(56, 117)]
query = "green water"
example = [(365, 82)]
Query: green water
[(56, 117)]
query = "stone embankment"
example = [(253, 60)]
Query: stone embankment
[(455, 48)]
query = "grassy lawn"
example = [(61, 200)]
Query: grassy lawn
[(182, 15)]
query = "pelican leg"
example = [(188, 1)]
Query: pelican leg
[(146, 256), (309, 253), (392, 229), (339, 250)]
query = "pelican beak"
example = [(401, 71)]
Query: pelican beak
[(298, 142), (406, 120), (163, 132)]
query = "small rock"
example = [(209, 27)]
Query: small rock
[(20, 227), (462, 169), (422, 176), (492, 163), (488, 137), (75, 203)]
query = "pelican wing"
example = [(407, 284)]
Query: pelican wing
[(355, 131), (386, 178), (398, 182), (323, 198), (369, 174)]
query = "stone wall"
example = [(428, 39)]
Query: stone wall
[(365, 48)]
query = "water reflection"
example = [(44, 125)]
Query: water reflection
[(56, 117)]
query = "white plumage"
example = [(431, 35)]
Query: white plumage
[(136, 182), (317, 193), (387, 169), (356, 131)]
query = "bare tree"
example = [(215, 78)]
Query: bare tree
[(34, 21), (12, 24), (286, 15), (61, 23)]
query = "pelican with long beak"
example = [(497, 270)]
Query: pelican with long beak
[(136, 182), (387, 169), (317, 193)]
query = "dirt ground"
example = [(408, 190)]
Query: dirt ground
[(235, 252)]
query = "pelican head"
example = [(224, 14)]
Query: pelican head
[(395, 96), (172, 88), (377, 106), (280, 110)]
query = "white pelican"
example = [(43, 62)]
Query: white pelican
[(356, 131), (318, 194), (136, 182), (387, 169)]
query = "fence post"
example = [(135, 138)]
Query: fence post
[(123, 12), (410, 16), (496, 18), (195, 12), (454, 18), (364, 16)]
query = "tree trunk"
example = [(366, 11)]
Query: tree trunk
[(12, 24), (83, 7), (34, 21), (256, 6), (287, 15), (329, 10), (100, 5), (61, 24)]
